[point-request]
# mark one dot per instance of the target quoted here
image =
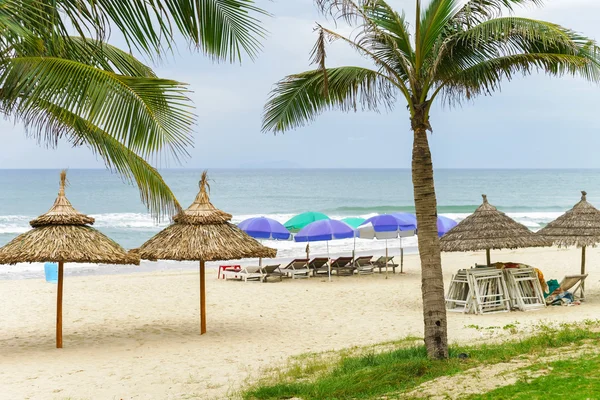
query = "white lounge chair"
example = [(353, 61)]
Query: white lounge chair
[(297, 268), (245, 274), (272, 270), (364, 265), (384, 263)]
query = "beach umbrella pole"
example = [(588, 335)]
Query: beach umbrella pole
[(386, 260), (328, 262), (583, 272), (59, 297), (202, 299), (401, 256), (488, 257)]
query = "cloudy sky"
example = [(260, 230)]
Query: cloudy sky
[(537, 122)]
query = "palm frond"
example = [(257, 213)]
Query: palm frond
[(477, 11), (319, 55), (298, 99), (433, 22), (50, 120), (504, 37), (86, 51), (223, 29), (486, 77), (146, 114), (391, 22)]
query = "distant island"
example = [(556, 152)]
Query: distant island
[(281, 164)]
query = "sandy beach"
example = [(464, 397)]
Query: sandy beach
[(135, 336)]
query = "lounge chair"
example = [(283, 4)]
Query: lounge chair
[(272, 270), (245, 274), (364, 265), (572, 283), (317, 263), (297, 268), (385, 262), (343, 266)]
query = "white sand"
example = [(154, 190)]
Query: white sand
[(136, 336)]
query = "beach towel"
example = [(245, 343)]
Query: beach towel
[(552, 286), (542, 281), (560, 299)]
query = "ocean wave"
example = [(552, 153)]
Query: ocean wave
[(447, 209), (135, 221)]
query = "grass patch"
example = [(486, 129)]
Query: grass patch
[(569, 379), (400, 369)]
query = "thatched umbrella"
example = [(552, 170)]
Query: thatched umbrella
[(487, 229), (580, 226), (62, 235), (203, 233)]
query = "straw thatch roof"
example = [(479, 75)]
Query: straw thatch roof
[(203, 232), (580, 226), (487, 229), (63, 234)]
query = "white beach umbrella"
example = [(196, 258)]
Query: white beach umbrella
[(367, 231)]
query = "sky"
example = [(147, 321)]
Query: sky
[(533, 122)]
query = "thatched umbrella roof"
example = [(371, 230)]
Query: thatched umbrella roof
[(487, 229), (580, 226), (203, 233), (63, 235)]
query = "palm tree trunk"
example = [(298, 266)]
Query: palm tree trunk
[(432, 281)]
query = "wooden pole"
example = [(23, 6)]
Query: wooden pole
[(582, 272), (401, 256), (59, 297), (202, 299), (386, 260), (487, 256)]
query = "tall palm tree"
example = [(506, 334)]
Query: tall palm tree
[(455, 51), (61, 78)]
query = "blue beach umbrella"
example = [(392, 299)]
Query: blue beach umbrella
[(325, 230), (264, 228), (444, 224), (407, 220)]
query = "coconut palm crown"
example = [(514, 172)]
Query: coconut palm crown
[(454, 51), (61, 78)]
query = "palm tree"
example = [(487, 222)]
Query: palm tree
[(455, 51), (62, 80)]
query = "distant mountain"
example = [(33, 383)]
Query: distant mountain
[(280, 164)]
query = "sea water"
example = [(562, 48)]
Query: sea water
[(532, 197)]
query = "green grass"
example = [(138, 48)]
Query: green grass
[(571, 379), (372, 374)]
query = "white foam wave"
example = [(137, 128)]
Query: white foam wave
[(133, 221)]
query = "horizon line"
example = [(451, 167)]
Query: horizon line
[(319, 168)]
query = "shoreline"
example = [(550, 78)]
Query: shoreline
[(36, 270)]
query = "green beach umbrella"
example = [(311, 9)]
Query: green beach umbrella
[(354, 222), (301, 220)]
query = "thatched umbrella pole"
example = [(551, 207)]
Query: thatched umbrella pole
[(488, 257), (202, 299), (59, 302), (583, 268)]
